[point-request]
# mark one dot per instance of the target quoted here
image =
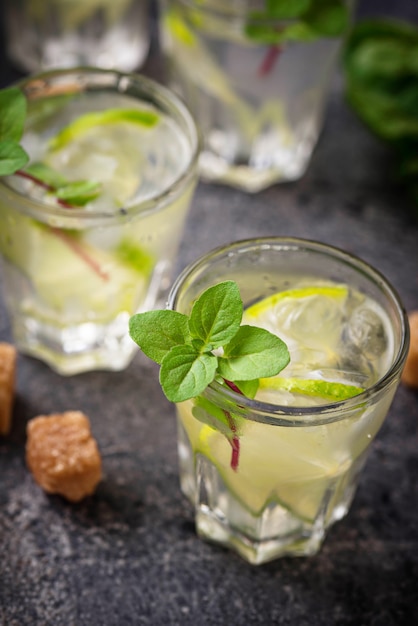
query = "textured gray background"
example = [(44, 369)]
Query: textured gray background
[(129, 555)]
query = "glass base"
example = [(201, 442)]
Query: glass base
[(115, 52), (215, 530), (272, 532), (75, 349), (258, 538), (269, 163)]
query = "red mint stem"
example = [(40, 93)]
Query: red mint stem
[(269, 60), (71, 243), (41, 183), (78, 249), (233, 386), (235, 442)]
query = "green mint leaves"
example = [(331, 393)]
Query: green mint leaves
[(381, 72), (13, 158), (303, 20), (12, 119), (73, 194), (194, 350)]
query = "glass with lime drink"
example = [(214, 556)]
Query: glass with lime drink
[(46, 34), (256, 75), (90, 227), (269, 464)]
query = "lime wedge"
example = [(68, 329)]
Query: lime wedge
[(87, 121), (179, 30), (312, 387), (106, 147), (338, 292), (293, 467)]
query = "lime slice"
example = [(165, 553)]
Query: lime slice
[(84, 123), (337, 292), (309, 318), (332, 391), (107, 147), (178, 29), (293, 467), (71, 278)]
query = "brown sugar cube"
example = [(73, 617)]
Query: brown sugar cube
[(8, 355), (410, 372), (62, 454)]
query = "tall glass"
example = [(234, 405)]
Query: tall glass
[(45, 34), (256, 84), (269, 479), (72, 275)]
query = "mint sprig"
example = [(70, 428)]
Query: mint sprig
[(14, 161), (303, 20), (13, 157), (12, 118), (209, 343), (381, 76)]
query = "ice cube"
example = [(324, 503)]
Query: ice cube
[(366, 332)]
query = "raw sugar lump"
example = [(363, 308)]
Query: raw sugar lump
[(62, 454), (8, 356)]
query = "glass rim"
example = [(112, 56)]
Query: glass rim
[(158, 93), (277, 414)]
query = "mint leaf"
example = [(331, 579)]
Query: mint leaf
[(46, 174), (208, 413), (216, 314), (186, 373), (248, 388), (76, 193), (156, 332), (184, 346), (253, 349), (381, 78), (286, 9), (12, 114), (12, 157), (328, 18), (79, 193), (297, 20)]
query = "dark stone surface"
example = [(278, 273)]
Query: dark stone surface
[(129, 555)]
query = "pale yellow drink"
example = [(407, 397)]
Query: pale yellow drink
[(74, 275), (269, 475)]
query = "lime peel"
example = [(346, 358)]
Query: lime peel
[(84, 123), (312, 387), (136, 257), (179, 29), (336, 292)]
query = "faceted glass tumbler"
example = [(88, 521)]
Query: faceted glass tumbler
[(46, 34), (272, 482), (73, 276), (260, 105)]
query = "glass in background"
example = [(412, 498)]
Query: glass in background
[(44, 34), (256, 76), (73, 273)]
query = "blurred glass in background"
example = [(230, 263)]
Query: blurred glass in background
[(43, 34), (256, 75)]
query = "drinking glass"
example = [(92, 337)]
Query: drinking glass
[(45, 34), (73, 275), (256, 84), (268, 479)]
